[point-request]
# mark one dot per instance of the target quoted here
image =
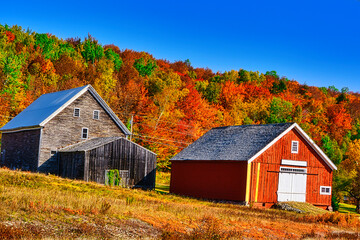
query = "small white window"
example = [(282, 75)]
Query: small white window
[(96, 114), (84, 133), (325, 190), (294, 146), (76, 112)]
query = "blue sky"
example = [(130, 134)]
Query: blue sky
[(313, 42)]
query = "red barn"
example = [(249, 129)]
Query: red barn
[(261, 164)]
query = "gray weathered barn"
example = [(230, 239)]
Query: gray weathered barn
[(33, 140), (91, 159)]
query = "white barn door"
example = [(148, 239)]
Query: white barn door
[(292, 184)]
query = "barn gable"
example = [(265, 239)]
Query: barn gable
[(272, 167)]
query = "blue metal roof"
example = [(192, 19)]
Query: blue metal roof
[(41, 109)]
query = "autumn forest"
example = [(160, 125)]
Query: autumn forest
[(171, 104)]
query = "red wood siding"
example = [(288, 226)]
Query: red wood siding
[(224, 180), (319, 173)]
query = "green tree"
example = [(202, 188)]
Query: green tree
[(91, 50), (348, 177), (145, 69), (244, 76), (12, 65), (46, 44), (298, 114), (333, 88), (280, 111), (332, 149), (272, 73), (114, 57), (278, 87), (212, 92)]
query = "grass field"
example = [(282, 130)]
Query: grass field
[(36, 206), (162, 182), (347, 208)]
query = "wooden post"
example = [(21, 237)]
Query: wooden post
[(248, 181), (131, 126)]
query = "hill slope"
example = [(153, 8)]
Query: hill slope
[(39, 206), (172, 103)]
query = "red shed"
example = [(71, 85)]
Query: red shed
[(262, 164)]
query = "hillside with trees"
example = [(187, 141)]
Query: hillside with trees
[(173, 103)]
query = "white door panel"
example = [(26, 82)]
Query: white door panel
[(292, 185)]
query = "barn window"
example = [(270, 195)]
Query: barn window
[(84, 133), (294, 146), (76, 112), (294, 170), (325, 190), (96, 114)]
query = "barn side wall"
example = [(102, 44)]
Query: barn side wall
[(137, 165), (65, 129), (319, 173), (20, 150), (71, 165), (222, 180)]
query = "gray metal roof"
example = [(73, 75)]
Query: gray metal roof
[(232, 143), (89, 144)]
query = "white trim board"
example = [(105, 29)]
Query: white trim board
[(293, 163), (306, 137)]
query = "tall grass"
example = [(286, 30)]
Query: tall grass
[(41, 206)]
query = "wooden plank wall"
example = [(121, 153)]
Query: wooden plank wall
[(71, 165), (123, 155)]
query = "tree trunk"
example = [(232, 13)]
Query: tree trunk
[(358, 205)]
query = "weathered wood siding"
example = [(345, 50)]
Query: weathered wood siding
[(222, 180), (121, 154), (20, 150), (319, 173), (65, 129), (71, 165), (124, 156)]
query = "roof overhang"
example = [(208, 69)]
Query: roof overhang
[(307, 139), (13, 130)]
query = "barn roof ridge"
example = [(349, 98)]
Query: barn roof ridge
[(47, 106), (88, 144), (94, 143), (242, 143)]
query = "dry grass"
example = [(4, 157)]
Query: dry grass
[(36, 206)]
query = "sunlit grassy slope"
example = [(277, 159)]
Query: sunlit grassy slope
[(40, 206), (347, 208)]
